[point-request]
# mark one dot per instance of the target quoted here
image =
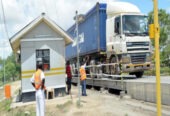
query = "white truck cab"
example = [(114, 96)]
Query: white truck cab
[(127, 37)]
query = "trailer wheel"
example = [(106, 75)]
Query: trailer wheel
[(99, 72), (114, 69), (73, 69), (139, 74), (92, 69)]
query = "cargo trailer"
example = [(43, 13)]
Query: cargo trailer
[(113, 33)]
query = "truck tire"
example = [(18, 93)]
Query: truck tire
[(139, 74), (73, 69), (92, 69), (99, 72), (114, 70)]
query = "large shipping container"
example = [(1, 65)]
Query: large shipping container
[(92, 33)]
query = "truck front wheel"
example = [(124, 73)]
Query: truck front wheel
[(139, 74), (114, 69)]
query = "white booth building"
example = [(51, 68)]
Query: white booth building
[(44, 40)]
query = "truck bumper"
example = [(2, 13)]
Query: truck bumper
[(136, 67)]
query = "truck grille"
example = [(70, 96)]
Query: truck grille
[(137, 46), (138, 58), (136, 49)]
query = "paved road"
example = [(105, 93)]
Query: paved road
[(151, 79)]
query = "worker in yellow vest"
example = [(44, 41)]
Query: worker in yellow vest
[(38, 81), (83, 79)]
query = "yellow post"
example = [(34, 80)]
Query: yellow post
[(157, 58)]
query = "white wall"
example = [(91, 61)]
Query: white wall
[(42, 30), (57, 60)]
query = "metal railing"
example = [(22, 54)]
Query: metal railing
[(99, 73)]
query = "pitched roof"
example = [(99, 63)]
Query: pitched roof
[(15, 40)]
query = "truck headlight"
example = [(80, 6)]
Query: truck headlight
[(126, 58), (148, 57)]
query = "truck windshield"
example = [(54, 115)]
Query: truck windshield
[(135, 25)]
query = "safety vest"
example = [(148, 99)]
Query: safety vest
[(37, 79), (82, 73)]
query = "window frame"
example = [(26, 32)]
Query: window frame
[(117, 21), (45, 57)]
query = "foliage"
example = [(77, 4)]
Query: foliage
[(12, 69), (163, 71), (5, 109), (5, 105), (164, 22)]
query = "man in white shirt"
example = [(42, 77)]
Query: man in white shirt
[(38, 81)]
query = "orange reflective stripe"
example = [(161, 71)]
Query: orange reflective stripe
[(37, 79), (82, 73)]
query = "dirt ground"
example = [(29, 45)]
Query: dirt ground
[(96, 103)]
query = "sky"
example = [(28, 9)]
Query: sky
[(19, 13)]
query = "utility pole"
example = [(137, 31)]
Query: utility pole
[(157, 58), (3, 46), (77, 34), (6, 32), (154, 34), (4, 63)]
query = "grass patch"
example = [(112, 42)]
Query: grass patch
[(164, 71), (1, 84), (126, 114), (64, 107), (149, 72), (5, 109), (22, 111), (5, 105), (17, 91)]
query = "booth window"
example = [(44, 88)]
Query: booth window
[(43, 56)]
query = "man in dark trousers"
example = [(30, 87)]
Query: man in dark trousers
[(69, 77)]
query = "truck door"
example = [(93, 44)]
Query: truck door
[(117, 34)]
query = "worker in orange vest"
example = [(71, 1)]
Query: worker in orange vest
[(38, 81), (83, 79)]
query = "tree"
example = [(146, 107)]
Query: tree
[(164, 22), (1, 69), (12, 69)]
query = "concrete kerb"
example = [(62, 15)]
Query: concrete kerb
[(147, 107), (147, 92)]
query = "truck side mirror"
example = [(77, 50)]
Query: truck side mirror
[(151, 31)]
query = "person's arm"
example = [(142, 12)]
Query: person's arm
[(43, 80), (32, 81), (43, 84), (33, 84)]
